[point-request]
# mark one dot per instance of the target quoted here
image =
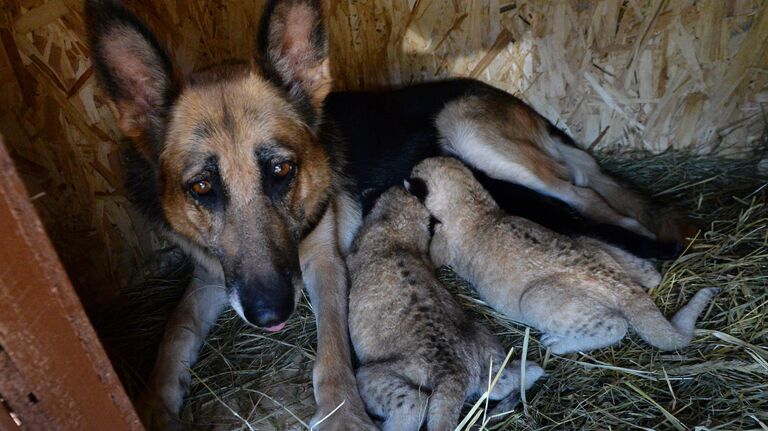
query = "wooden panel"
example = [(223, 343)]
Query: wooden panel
[(54, 372), (634, 74), (646, 74)]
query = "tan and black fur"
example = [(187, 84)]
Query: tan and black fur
[(421, 356), (261, 175), (248, 135), (581, 293)]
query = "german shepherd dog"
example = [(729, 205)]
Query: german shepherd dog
[(262, 175)]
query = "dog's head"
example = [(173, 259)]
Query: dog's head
[(234, 150)]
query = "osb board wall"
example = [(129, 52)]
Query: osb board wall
[(648, 74), (642, 74)]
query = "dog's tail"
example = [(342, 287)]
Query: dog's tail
[(656, 330)]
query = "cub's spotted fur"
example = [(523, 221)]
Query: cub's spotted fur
[(582, 293), (421, 356)]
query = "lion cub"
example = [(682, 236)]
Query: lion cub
[(581, 293), (421, 357)]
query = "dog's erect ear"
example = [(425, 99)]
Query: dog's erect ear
[(294, 44), (134, 70)]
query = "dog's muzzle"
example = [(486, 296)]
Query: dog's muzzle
[(267, 302)]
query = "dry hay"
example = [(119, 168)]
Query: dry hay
[(719, 382)]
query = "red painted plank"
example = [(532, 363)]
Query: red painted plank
[(45, 332)]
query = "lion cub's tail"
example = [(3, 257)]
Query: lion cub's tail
[(659, 332)]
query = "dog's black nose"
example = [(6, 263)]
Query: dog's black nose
[(269, 302)]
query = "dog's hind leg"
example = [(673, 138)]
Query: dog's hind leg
[(666, 223), (187, 327), (500, 136)]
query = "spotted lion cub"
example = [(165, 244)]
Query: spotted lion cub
[(581, 293), (421, 356)]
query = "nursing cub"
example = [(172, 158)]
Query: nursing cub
[(581, 293), (421, 356)]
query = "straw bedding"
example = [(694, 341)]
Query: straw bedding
[(246, 379), (649, 74)]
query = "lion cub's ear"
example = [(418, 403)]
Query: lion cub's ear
[(417, 187)]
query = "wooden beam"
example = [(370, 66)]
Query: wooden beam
[(55, 373)]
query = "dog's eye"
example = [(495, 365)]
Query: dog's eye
[(282, 169), (201, 187)]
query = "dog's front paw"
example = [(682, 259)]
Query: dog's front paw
[(155, 415), (351, 416)]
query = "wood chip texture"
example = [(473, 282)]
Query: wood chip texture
[(635, 74)]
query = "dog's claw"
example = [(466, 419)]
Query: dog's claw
[(155, 416), (346, 418)]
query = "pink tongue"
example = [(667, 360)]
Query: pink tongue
[(276, 328)]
